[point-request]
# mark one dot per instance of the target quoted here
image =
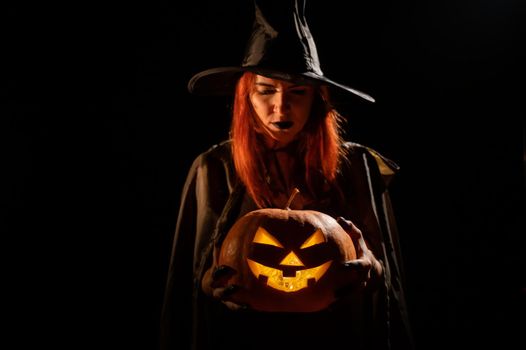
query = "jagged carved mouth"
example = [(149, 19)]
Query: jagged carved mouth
[(274, 277)]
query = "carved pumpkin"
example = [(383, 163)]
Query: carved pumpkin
[(286, 260)]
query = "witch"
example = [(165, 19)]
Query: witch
[(285, 134)]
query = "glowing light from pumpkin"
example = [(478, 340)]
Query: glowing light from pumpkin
[(316, 238), (275, 278), (263, 237)]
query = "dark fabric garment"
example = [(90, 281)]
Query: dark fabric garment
[(212, 200)]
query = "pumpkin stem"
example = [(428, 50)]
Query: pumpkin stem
[(295, 191)]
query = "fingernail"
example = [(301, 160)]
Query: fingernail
[(230, 289), (352, 264)]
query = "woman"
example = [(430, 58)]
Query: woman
[(285, 135)]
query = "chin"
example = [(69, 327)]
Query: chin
[(284, 137)]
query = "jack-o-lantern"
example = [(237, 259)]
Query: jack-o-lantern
[(286, 260)]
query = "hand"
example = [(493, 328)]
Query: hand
[(365, 267), (215, 284)]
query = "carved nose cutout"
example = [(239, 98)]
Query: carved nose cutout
[(291, 260)]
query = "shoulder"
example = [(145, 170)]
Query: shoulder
[(358, 152), (219, 153), (215, 166)]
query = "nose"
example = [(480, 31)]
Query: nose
[(281, 102)]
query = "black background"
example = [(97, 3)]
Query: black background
[(100, 132)]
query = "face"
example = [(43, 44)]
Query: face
[(282, 108)]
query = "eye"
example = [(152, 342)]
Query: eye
[(263, 237), (266, 91), (316, 238), (299, 92)]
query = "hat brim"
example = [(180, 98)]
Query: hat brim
[(222, 80)]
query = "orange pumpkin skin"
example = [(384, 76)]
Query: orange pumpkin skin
[(286, 260)]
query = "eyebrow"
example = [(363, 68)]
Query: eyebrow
[(272, 85), (265, 84)]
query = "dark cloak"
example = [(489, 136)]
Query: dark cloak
[(213, 199)]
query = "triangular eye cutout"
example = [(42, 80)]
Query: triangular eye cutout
[(263, 237), (316, 238)]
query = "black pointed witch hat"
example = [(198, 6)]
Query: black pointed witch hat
[(281, 47)]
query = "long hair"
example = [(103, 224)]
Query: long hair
[(320, 146)]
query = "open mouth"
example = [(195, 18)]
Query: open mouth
[(283, 125), (301, 278)]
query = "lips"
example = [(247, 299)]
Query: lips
[(284, 125)]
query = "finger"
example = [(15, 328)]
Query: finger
[(221, 275), (223, 271), (360, 268), (225, 293), (346, 224), (236, 307), (356, 235), (206, 282), (350, 228), (359, 265)]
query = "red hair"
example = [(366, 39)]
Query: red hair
[(321, 145)]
